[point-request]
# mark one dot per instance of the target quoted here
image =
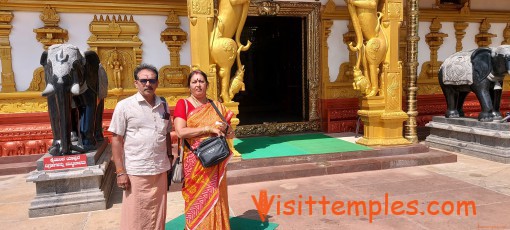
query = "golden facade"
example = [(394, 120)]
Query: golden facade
[(380, 46)]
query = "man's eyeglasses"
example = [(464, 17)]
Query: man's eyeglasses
[(151, 81)]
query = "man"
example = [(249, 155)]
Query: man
[(141, 148)]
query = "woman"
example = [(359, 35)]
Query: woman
[(204, 189)]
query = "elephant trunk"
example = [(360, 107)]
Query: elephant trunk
[(64, 114)]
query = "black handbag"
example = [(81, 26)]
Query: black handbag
[(212, 150)]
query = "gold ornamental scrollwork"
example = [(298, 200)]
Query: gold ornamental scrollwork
[(273, 128), (38, 83), (394, 11), (393, 89), (268, 8), (49, 16), (24, 105), (202, 8)]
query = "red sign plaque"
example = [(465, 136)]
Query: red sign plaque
[(65, 162)]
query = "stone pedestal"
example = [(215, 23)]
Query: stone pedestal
[(488, 140), (73, 190)]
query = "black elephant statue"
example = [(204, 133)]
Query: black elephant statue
[(76, 81), (481, 71)]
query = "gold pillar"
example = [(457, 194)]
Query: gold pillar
[(51, 33), (8, 85), (382, 114), (412, 63), (434, 39), (201, 18), (460, 31), (484, 38), (175, 74)]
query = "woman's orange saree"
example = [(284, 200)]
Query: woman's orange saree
[(205, 189)]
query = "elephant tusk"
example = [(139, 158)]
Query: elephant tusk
[(49, 90), (75, 89), (497, 86)]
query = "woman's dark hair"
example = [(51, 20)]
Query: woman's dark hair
[(197, 72), (147, 67)]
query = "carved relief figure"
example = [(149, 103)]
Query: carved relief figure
[(116, 65), (35, 147), (371, 44), (12, 148), (224, 50)]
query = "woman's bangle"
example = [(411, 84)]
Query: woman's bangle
[(206, 130), (120, 170)]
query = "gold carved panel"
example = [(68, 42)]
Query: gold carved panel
[(201, 8), (115, 39)]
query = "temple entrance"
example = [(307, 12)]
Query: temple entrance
[(275, 71)]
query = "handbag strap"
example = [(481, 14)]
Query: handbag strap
[(163, 100), (219, 114)]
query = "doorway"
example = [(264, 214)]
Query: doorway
[(275, 71)]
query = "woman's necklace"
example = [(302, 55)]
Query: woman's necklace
[(197, 102)]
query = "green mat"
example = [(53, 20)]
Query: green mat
[(236, 223), (292, 145)]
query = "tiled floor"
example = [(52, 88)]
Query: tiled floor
[(484, 182)]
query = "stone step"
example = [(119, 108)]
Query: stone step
[(310, 158), (20, 158), (17, 168), (387, 158), (10, 165)]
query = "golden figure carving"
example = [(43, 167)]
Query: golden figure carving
[(116, 65), (224, 50), (381, 108), (371, 45), (237, 83), (115, 40)]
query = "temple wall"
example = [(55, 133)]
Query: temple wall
[(338, 101), (26, 50)]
